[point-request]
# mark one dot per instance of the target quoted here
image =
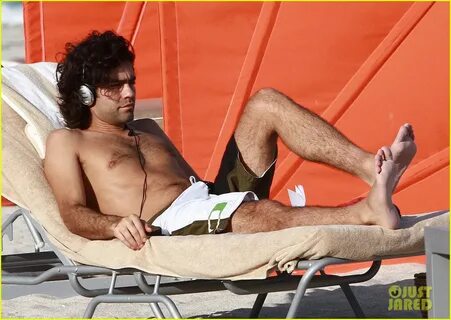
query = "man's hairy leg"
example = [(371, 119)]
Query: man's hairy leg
[(377, 209), (270, 114), (269, 215)]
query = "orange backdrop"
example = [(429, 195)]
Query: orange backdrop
[(365, 67), (49, 25)]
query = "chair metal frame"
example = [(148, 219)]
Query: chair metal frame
[(38, 267)]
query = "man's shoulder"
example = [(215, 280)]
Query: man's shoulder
[(63, 136)]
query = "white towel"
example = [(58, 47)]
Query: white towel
[(28, 88), (37, 83)]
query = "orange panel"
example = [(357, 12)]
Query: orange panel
[(7, 203), (44, 38), (411, 86), (301, 67), (336, 59), (323, 185), (316, 48), (170, 74), (364, 265), (367, 67), (359, 80), (328, 40), (79, 19), (209, 41), (248, 73), (148, 53), (429, 194), (131, 17), (33, 32), (364, 66)]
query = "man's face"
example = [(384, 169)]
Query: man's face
[(115, 102)]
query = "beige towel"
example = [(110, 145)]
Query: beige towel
[(225, 256), (36, 103)]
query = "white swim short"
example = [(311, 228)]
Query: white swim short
[(197, 212)]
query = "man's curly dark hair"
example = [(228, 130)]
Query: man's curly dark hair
[(91, 61)]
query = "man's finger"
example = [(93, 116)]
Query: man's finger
[(134, 231), (148, 227), (130, 239), (140, 228), (123, 240)]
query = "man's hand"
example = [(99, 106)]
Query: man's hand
[(132, 231)]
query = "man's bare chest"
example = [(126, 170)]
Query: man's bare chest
[(122, 154)]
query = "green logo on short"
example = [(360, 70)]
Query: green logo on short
[(409, 298), (219, 207)]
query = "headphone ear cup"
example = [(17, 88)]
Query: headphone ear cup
[(87, 95)]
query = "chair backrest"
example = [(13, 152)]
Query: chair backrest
[(24, 182)]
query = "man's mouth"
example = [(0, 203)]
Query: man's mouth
[(128, 106)]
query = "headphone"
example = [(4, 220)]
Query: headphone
[(86, 92), (87, 95)]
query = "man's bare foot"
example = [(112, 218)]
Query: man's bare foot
[(401, 151), (381, 210)]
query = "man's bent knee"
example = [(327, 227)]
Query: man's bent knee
[(263, 101), (255, 134), (256, 216), (267, 93)]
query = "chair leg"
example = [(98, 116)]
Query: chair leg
[(258, 304), (300, 291), (151, 298), (303, 284), (352, 300), (156, 310), (7, 225)]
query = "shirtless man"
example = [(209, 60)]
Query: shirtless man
[(112, 176)]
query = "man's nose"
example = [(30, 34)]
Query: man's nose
[(128, 90)]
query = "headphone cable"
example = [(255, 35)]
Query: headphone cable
[(142, 162)]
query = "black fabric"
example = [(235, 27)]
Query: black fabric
[(233, 176)]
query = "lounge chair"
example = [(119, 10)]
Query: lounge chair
[(38, 267), (264, 263), (47, 266)]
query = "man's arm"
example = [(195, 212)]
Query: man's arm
[(63, 172)]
